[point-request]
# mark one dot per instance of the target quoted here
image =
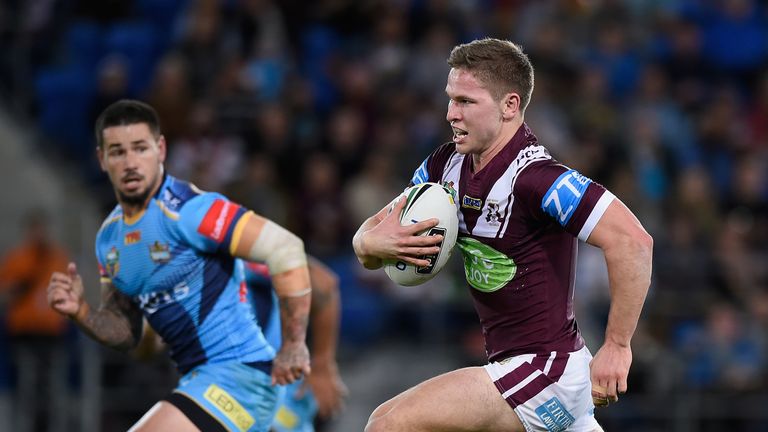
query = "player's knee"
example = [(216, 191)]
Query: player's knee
[(380, 424), (379, 420)]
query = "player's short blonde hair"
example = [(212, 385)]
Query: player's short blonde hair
[(500, 65)]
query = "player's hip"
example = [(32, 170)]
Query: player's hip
[(239, 396), (549, 392)]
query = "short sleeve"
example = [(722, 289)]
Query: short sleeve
[(431, 170), (211, 223), (553, 191)]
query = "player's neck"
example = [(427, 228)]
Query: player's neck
[(482, 159)]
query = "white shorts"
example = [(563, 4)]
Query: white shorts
[(550, 393)]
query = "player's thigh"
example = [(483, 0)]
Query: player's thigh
[(163, 416), (461, 400)]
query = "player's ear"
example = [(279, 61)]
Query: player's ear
[(161, 147), (100, 156), (510, 105)]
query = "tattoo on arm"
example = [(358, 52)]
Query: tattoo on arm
[(294, 314), (118, 321)]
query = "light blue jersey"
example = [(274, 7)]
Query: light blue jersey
[(173, 260), (297, 411)]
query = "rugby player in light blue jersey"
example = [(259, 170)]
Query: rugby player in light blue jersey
[(174, 254), (323, 391)]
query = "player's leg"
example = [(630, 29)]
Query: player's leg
[(464, 399), (164, 416)]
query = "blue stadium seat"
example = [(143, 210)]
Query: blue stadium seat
[(139, 43), (160, 12), (83, 43), (63, 97)]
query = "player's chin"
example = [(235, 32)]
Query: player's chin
[(462, 147), (133, 195)]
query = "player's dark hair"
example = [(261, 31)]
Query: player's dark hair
[(127, 112), (500, 65)]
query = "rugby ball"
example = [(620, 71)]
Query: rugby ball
[(426, 201)]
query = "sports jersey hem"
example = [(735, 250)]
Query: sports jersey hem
[(196, 413), (597, 212)]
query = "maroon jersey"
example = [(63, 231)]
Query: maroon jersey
[(519, 220)]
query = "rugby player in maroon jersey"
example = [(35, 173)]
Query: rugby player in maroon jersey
[(521, 214)]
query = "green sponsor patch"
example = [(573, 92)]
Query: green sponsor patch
[(486, 269)]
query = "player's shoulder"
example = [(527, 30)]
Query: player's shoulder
[(434, 165), (175, 193), (445, 150), (111, 221)]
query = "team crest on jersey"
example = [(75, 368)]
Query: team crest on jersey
[(492, 212), (159, 252), (132, 237), (470, 202), (113, 262)]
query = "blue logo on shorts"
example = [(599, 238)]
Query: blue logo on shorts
[(554, 415)]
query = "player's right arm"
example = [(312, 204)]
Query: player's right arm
[(382, 237), (116, 323), (259, 239)]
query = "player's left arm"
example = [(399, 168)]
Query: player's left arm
[(628, 250), (325, 381), (259, 239)]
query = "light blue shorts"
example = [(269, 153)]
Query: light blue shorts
[(239, 396), (296, 414)]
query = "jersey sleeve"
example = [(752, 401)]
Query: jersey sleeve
[(211, 223), (553, 191), (431, 170)]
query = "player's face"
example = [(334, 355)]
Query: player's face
[(475, 117), (133, 158)]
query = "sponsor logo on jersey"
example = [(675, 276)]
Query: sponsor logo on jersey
[(230, 407), (216, 222), (486, 269), (470, 202), (171, 200), (132, 237), (152, 302), (554, 415), (113, 262), (160, 252), (492, 213), (564, 196)]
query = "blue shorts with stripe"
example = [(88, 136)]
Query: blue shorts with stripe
[(239, 396)]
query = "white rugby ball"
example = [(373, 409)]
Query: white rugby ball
[(426, 201)]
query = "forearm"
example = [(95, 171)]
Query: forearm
[(108, 327), (324, 322), (629, 271), (358, 244), (294, 317)]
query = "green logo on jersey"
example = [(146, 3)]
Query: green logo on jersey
[(487, 269)]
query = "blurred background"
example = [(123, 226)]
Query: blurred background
[(316, 114)]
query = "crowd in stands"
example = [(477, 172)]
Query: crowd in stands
[(316, 114)]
